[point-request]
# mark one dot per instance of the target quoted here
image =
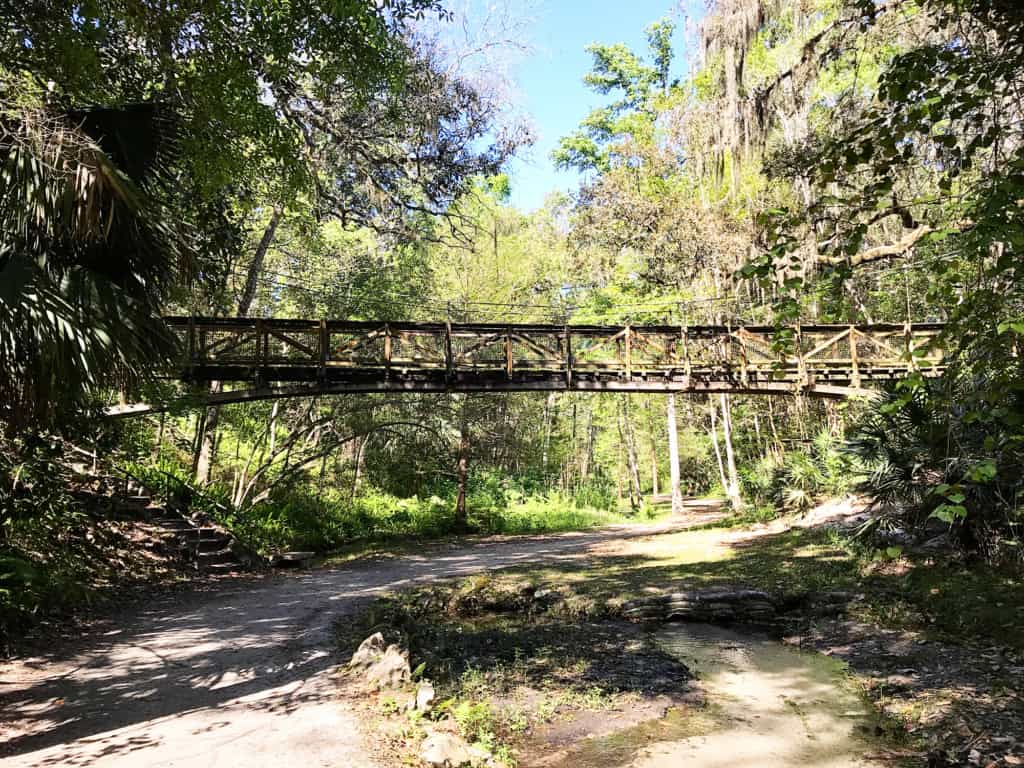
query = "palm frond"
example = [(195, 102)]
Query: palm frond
[(87, 255)]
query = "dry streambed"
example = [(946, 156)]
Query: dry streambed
[(502, 673)]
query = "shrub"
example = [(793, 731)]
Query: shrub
[(931, 453), (800, 478)]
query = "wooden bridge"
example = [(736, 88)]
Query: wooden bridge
[(331, 356)]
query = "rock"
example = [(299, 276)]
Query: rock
[(713, 604), (939, 543), (446, 749), (479, 756), (369, 652), (829, 603), (424, 697), (391, 670), (383, 667)]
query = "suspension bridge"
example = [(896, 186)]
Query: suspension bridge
[(274, 358)]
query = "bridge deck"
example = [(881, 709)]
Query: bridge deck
[(344, 356)]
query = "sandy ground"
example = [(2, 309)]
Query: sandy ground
[(776, 706), (238, 676)]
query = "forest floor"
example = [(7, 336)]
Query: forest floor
[(537, 662), (246, 672), (239, 672)]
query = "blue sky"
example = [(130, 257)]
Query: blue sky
[(551, 79)]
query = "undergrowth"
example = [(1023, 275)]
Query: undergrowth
[(324, 520)]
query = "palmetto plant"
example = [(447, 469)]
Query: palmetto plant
[(905, 450), (87, 255), (931, 455)]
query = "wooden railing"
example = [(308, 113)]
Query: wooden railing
[(372, 356)]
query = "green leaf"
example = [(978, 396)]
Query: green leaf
[(984, 472), (948, 513)]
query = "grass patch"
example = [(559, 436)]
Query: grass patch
[(301, 521)]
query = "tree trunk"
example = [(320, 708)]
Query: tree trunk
[(588, 453), (357, 473), (549, 408), (273, 426), (206, 452), (776, 441), (733, 489), (713, 434), (634, 469), (673, 455), (462, 476), (256, 267)]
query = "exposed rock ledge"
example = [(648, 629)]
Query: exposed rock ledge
[(714, 604)]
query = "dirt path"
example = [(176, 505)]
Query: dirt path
[(237, 677)]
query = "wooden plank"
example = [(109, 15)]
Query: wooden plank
[(282, 336), (828, 343)]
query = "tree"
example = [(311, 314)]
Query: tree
[(86, 257), (229, 69), (636, 83), (925, 170), (673, 454)]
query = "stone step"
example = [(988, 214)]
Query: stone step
[(292, 559), (214, 544), (132, 506), (218, 557), (222, 568), (170, 524), (205, 533)]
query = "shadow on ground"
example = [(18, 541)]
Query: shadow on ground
[(207, 664)]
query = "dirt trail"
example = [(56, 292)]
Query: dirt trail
[(237, 677)]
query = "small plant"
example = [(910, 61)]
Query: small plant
[(476, 722)]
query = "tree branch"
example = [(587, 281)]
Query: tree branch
[(880, 252)]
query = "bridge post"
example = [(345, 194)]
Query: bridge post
[(191, 343), (854, 357), (744, 374), (262, 352), (325, 342), (387, 350), (801, 368), (629, 352), (909, 339), (568, 358), (687, 365), (449, 361), (508, 352)]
